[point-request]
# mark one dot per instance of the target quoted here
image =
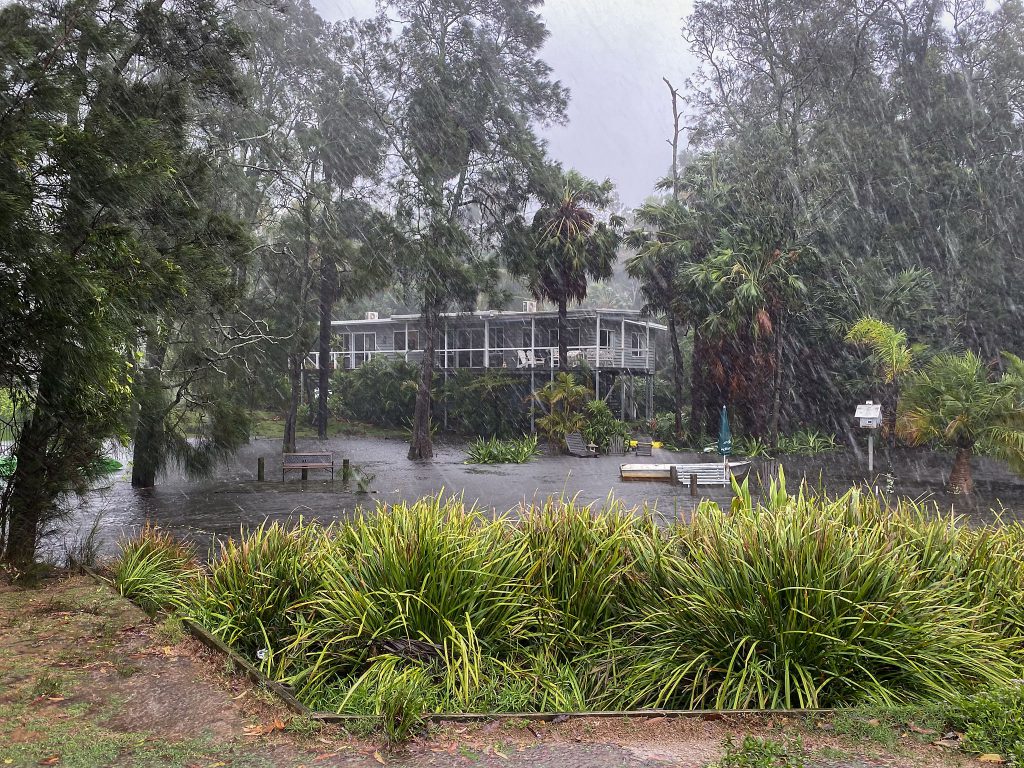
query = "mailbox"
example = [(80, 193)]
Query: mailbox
[(869, 415)]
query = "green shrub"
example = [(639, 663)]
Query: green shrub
[(381, 391), (495, 451), (489, 403), (156, 571), (807, 442), (993, 722), (600, 424)]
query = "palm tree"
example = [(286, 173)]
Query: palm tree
[(561, 402), (663, 244), (565, 247), (893, 358), (756, 289), (959, 402)]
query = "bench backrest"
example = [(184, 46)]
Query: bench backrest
[(574, 442), (707, 474), (301, 459), (616, 446)]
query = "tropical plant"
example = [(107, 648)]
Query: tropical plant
[(566, 246), (807, 442), (892, 358), (561, 402), (600, 425), (495, 451), (961, 403)]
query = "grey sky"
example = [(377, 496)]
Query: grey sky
[(612, 55)]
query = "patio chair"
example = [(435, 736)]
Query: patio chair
[(578, 447), (525, 359), (644, 446)]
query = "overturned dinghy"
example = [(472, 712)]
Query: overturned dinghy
[(707, 473)]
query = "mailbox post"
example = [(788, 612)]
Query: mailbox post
[(869, 417)]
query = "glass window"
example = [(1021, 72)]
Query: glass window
[(606, 337)]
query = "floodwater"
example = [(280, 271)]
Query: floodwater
[(232, 501)]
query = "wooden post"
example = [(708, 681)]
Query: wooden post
[(261, 469), (693, 486), (344, 470)]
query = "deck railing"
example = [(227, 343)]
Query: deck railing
[(515, 358)]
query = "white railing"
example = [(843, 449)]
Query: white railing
[(522, 358)]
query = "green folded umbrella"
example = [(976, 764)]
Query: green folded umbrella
[(724, 435)]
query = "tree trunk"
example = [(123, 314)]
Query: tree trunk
[(29, 496), (328, 293), (295, 397), (961, 481), (677, 375), (696, 390), (149, 427), (422, 445), (563, 332), (777, 380)]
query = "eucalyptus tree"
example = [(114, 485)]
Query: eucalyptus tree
[(97, 102), (307, 163), (457, 88), (565, 246)]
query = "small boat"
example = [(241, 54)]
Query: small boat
[(708, 473)]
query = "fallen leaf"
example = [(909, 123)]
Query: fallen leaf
[(919, 729), (990, 758), (277, 724), (325, 755), (378, 758), (55, 698), (874, 721), (51, 760)]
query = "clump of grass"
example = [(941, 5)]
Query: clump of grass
[(993, 722), (754, 752), (156, 571), (170, 631), (248, 598), (807, 442), (494, 451), (795, 604), (785, 601)]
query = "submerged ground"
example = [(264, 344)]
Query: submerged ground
[(87, 680), (232, 499)]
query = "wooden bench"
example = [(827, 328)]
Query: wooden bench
[(708, 473), (577, 447), (644, 446), (291, 462)]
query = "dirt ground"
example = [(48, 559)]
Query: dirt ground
[(86, 679)]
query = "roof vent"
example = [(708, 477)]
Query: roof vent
[(529, 305), (371, 316)]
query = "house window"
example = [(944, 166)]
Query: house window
[(412, 337), (527, 338), (606, 338), (636, 343), (553, 337), (363, 345), (496, 338)]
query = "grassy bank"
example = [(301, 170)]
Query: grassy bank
[(793, 601)]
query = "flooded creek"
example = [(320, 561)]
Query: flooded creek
[(233, 500)]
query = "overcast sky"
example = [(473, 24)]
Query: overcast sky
[(612, 55)]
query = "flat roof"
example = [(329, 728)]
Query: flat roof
[(633, 315)]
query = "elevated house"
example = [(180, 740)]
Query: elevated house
[(613, 348)]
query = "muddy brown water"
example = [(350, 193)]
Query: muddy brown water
[(232, 501)]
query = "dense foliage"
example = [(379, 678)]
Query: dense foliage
[(794, 600)]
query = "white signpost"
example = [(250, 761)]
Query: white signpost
[(869, 417)]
